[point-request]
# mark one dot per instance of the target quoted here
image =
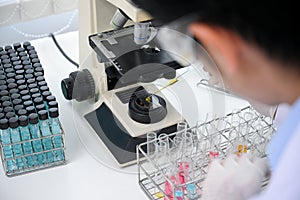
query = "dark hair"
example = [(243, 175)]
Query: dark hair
[(272, 25)]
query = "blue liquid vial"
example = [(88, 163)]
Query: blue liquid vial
[(7, 148), (56, 131), (36, 142), (16, 138), (26, 137), (45, 131)]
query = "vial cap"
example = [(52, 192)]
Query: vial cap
[(22, 112), (13, 55), (13, 122), (42, 83), (21, 54), (30, 109), (26, 98), (16, 45), (45, 94), (40, 78), (38, 101), (19, 77), (22, 87), (10, 80), (5, 98), (18, 107), (14, 91), (2, 82), (13, 59), (7, 61), (43, 115), (29, 48), (10, 75), (50, 98), (26, 62), (15, 96), (40, 107), (7, 47), (4, 93), (17, 101), (44, 88), (32, 56), (3, 57), (8, 109), (17, 63), (12, 85), (53, 112), (20, 49), (10, 115), (3, 124), (29, 71), (2, 77), (39, 69), (32, 85), (35, 65), (21, 81), (27, 103), (23, 58), (36, 74), (3, 52), (3, 87), (34, 91), (29, 81), (35, 60), (28, 76), (23, 120), (26, 67), (53, 104), (26, 44), (24, 92), (20, 72), (2, 115), (33, 118), (32, 52), (35, 95), (6, 104)]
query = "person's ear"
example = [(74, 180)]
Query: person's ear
[(222, 44)]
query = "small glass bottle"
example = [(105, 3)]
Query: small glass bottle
[(25, 136), (7, 149), (15, 138), (46, 133), (56, 131), (35, 134)]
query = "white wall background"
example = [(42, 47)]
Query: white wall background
[(22, 20)]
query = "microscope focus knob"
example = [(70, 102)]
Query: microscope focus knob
[(79, 86)]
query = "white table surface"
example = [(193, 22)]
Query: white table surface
[(82, 177)]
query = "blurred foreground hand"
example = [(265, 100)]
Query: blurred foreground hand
[(235, 178)]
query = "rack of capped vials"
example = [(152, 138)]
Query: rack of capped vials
[(174, 166), (31, 136)]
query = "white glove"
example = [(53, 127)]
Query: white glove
[(235, 178)]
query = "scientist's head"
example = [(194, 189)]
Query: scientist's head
[(255, 44)]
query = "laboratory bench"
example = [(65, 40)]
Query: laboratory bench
[(83, 176)]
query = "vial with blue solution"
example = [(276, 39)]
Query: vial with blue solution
[(26, 137), (16, 138), (36, 142), (7, 148), (56, 131), (46, 133)]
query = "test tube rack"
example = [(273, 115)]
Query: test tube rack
[(153, 174), (23, 93), (41, 159)]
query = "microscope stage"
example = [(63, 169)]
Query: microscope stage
[(119, 133), (117, 101)]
